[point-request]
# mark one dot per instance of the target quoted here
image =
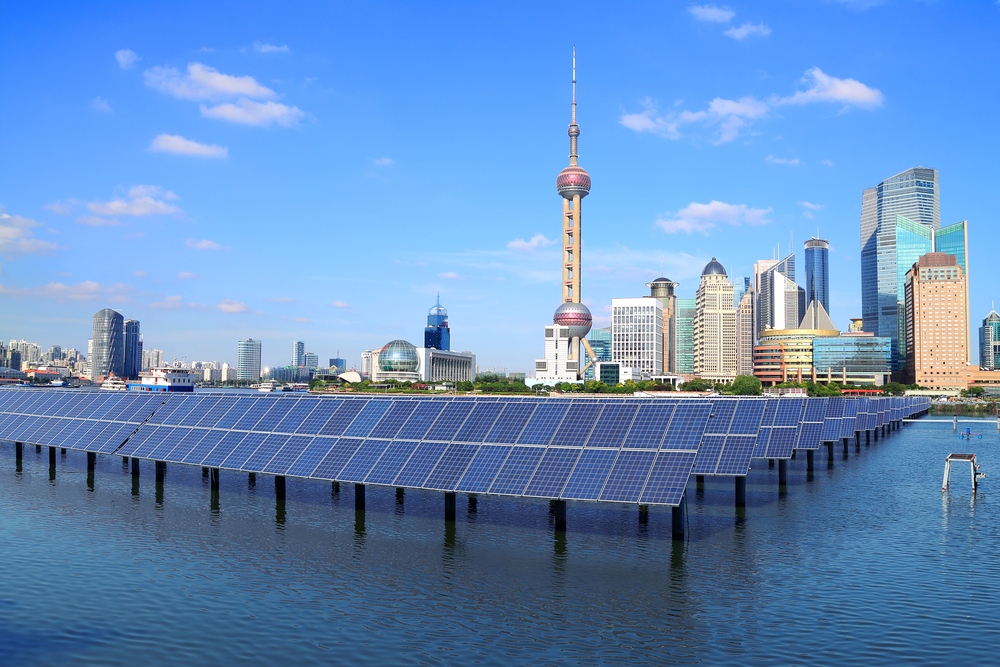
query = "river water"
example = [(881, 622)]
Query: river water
[(865, 562)]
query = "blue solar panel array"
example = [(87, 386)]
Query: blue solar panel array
[(618, 450)]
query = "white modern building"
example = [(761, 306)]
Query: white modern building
[(399, 360), (248, 360), (637, 334), (715, 326), (557, 366)]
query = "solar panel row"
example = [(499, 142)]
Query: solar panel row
[(621, 450)]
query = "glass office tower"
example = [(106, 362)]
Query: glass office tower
[(133, 350), (685, 335), (913, 195), (108, 355), (989, 342), (954, 240), (818, 272), (437, 334), (248, 360)]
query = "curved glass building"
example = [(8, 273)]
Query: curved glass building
[(108, 356), (818, 272)]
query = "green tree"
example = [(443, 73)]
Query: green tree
[(696, 385), (746, 385)]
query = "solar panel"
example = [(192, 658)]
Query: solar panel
[(363, 460), (288, 454), (423, 460), (612, 425), (451, 466), (336, 458), (344, 415), (668, 478), (649, 426), (263, 454), (628, 476), (517, 470), (552, 472), (449, 421), (478, 424), (394, 419), (735, 457), (217, 454), (368, 418), (392, 461), (325, 407), (242, 451), (510, 423), (834, 413), (483, 469)]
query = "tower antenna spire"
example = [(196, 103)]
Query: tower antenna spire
[(574, 84)]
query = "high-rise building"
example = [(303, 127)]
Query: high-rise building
[(298, 353), (637, 334), (572, 318), (818, 272), (989, 342), (887, 247), (310, 360), (108, 357), (338, 365), (715, 326), (248, 359), (780, 302), (954, 240), (936, 323), (685, 336), (662, 289), (745, 328), (600, 345), (437, 334), (133, 350)]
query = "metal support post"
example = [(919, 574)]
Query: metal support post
[(252, 480), (741, 491), (52, 456), (559, 507), (38, 449), (91, 461), (678, 519), (954, 423), (699, 481), (845, 446), (857, 439), (161, 469), (782, 472), (829, 451), (279, 487), (810, 455), (19, 449), (359, 497), (868, 438), (449, 506), (213, 479), (875, 434), (770, 463), (135, 467)]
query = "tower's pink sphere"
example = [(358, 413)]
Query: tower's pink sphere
[(573, 181)]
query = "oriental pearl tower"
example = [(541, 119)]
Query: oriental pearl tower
[(573, 184)]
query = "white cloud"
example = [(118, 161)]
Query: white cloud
[(281, 299), (810, 205), (231, 306), (449, 275), (95, 221), (187, 275), (732, 116), (203, 244), (770, 159), (178, 145), (697, 217), (383, 162), (17, 239), (748, 30), (126, 58), (169, 302), (59, 208), (711, 13), (141, 200), (340, 304), (269, 48), (100, 104), (248, 112), (83, 291), (828, 163), (139, 274), (537, 241), (826, 88), (204, 83)]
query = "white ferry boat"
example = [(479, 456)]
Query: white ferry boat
[(165, 379), (268, 386), (114, 383)]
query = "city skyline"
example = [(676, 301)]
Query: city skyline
[(721, 154)]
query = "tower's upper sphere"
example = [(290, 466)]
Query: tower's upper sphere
[(713, 268), (576, 316), (573, 181)]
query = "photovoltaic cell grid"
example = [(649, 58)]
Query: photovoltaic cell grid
[(624, 450)]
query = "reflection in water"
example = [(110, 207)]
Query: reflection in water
[(159, 495), (359, 528), (642, 527), (213, 505), (279, 513), (400, 495), (52, 473), (252, 482), (448, 550)]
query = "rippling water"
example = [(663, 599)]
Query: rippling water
[(866, 562)]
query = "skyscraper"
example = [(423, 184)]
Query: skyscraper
[(637, 334), (133, 350), (298, 353), (989, 342), (685, 336), (310, 360), (572, 184), (715, 326), (935, 323), (913, 195), (437, 334), (662, 289), (744, 333), (248, 360), (818, 272), (954, 240), (780, 303), (108, 356)]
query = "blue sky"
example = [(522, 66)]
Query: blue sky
[(319, 171)]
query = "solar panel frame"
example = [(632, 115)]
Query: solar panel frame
[(553, 471), (517, 470), (483, 468), (628, 476)]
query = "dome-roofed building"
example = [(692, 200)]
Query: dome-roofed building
[(662, 289), (713, 268), (398, 360)]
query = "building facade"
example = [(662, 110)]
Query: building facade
[(600, 345), (936, 323), (637, 334), (817, 253), (745, 327), (558, 364), (989, 342), (715, 326), (855, 358), (310, 360), (298, 353), (436, 365), (108, 357), (248, 360)]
